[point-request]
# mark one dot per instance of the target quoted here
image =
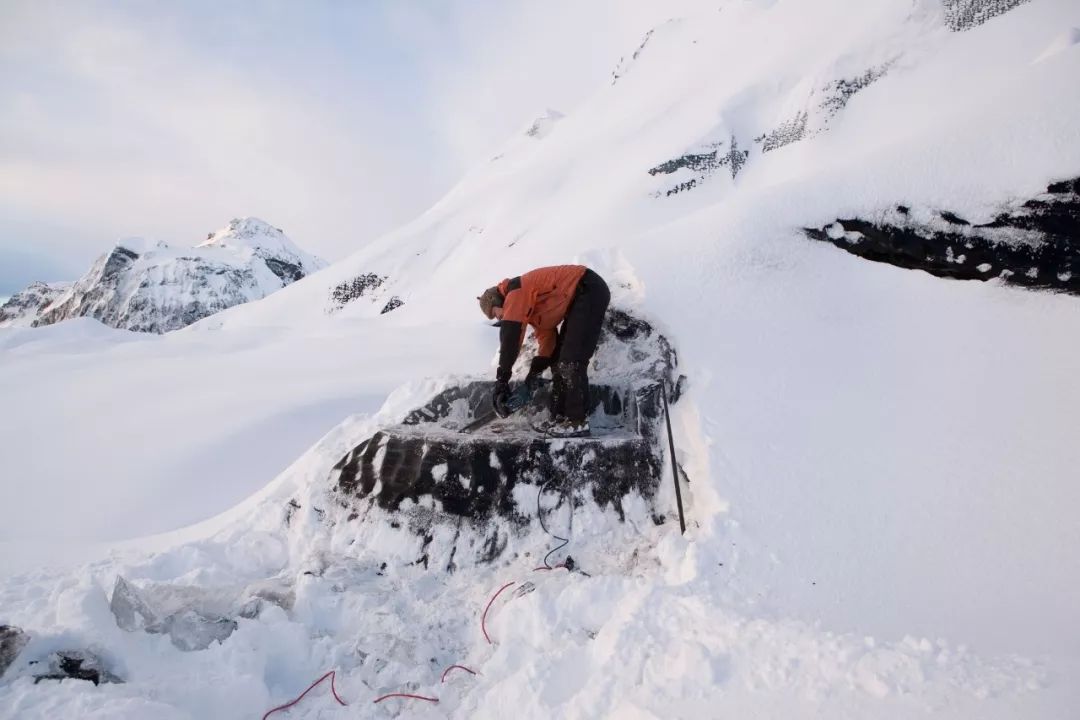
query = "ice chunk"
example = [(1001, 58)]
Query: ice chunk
[(191, 630), (128, 607)]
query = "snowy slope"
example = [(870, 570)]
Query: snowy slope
[(151, 287), (881, 463)]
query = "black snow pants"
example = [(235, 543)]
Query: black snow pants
[(578, 337)]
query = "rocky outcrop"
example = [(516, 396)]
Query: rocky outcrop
[(1035, 244), (702, 164), (436, 475), (823, 102), (966, 14), (77, 665), (152, 287), (24, 308), (353, 289)]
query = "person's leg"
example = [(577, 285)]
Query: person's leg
[(579, 337), (558, 384)]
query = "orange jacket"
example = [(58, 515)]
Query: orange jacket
[(539, 298)]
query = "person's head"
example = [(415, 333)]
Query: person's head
[(491, 301)]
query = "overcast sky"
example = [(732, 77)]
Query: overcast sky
[(334, 120)]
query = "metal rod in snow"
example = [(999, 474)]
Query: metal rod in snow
[(674, 465)]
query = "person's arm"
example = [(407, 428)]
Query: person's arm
[(512, 328), (511, 333)]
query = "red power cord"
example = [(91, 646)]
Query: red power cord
[(459, 667), (332, 674), (407, 695), (483, 618)]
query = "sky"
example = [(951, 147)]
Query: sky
[(336, 121)]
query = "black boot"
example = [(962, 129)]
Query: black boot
[(573, 382)]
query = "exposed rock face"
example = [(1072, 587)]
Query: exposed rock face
[(966, 14), (155, 288), (1036, 244), (360, 286), (818, 108), (77, 665), (23, 308), (12, 641)]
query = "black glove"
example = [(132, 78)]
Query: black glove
[(536, 368), (500, 398)]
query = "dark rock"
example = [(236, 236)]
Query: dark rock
[(392, 304), (349, 290), (838, 93), (828, 100), (1036, 245), (25, 306), (129, 608), (1064, 187), (703, 164), (397, 464), (785, 133), (953, 218), (966, 14), (290, 509), (12, 641), (287, 271), (77, 665), (427, 472), (623, 67)]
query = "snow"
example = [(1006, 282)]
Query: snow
[(881, 464), (253, 236)]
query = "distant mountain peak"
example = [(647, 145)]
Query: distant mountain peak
[(150, 286)]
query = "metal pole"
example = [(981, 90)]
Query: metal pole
[(674, 465)]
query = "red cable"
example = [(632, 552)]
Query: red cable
[(407, 695), (332, 675), (483, 618), (459, 667)]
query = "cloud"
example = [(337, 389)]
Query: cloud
[(335, 121), (125, 124)]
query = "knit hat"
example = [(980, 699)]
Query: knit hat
[(491, 298)]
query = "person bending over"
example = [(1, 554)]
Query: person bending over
[(565, 305)]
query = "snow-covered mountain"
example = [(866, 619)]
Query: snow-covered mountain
[(152, 287), (24, 307), (878, 465)]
